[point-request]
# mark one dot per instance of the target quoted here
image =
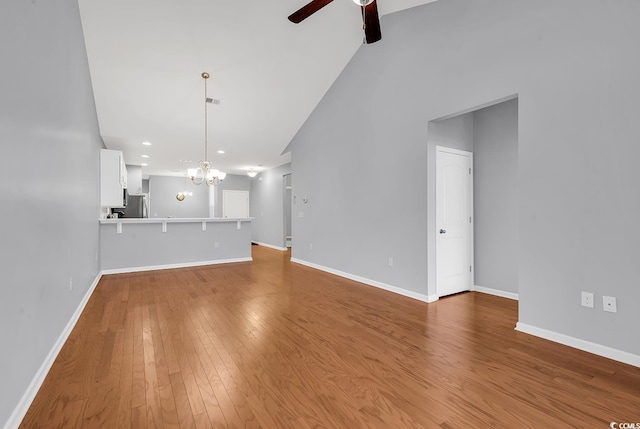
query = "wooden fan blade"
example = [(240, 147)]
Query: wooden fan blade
[(306, 11), (371, 22)]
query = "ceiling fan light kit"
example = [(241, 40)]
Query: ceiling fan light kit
[(204, 173), (370, 19)]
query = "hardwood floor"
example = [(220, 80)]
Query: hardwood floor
[(278, 345)]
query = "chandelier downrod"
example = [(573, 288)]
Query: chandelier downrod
[(205, 76), (204, 172)]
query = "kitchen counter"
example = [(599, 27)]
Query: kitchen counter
[(168, 220), (128, 245)]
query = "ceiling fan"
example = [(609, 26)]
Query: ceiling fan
[(370, 20)]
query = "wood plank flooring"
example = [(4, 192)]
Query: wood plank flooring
[(273, 344)]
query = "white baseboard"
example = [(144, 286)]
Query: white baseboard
[(29, 395), (271, 246), (171, 266), (495, 292), (576, 343), (394, 289)]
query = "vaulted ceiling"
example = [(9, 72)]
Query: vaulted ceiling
[(146, 58)]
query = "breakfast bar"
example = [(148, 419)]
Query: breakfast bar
[(128, 245)]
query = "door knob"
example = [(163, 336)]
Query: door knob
[(443, 231)]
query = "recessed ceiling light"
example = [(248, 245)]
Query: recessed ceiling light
[(145, 156), (146, 143), (221, 151), (144, 164)]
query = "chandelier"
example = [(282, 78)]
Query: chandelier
[(205, 173)]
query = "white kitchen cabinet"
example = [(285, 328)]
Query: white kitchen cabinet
[(113, 178)]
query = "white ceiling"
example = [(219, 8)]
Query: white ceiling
[(146, 57)]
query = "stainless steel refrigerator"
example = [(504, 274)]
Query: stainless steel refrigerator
[(136, 207)]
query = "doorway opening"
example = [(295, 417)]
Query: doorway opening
[(235, 204), (490, 134)]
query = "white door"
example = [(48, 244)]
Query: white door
[(287, 209), (454, 227), (235, 204)]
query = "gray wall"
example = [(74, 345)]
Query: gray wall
[(134, 179), (363, 158), (267, 206), (233, 182), (455, 133), (163, 202), (495, 183), (163, 190), (49, 164)]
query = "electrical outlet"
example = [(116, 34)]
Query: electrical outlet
[(216, 244), (587, 299), (391, 262), (609, 304)]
